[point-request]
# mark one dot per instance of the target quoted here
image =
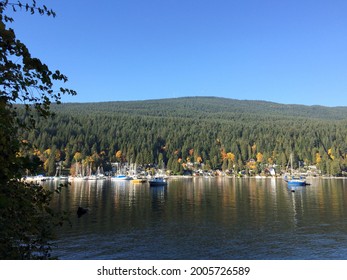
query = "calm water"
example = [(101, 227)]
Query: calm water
[(203, 218)]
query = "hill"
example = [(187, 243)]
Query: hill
[(216, 107), (183, 132)]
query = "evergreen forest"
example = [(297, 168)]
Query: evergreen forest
[(191, 133)]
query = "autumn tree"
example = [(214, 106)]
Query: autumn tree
[(259, 157), (119, 155)]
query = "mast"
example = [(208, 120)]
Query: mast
[(291, 164)]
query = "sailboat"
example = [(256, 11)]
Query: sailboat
[(78, 173), (291, 179), (58, 175), (100, 174)]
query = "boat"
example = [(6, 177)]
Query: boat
[(157, 181), (134, 176), (100, 174), (138, 180), (120, 177), (92, 177), (58, 176), (293, 180)]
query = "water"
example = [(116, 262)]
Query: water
[(199, 218)]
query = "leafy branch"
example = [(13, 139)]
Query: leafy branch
[(32, 8), (23, 78)]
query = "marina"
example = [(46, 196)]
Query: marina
[(199, 218)]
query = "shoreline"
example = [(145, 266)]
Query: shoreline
[(36, 179)]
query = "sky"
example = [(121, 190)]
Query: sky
[(284, 51)]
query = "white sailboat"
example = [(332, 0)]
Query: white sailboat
[(100, 174), (291, 179), (58, 176), (120, 176)]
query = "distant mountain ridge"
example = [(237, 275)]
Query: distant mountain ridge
[(212, 106)]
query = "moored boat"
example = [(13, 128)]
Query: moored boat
[(138, 180), (157, 181), (120, 177), (293, 180)]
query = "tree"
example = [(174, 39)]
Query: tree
[(26, 220), (259, 157), (119, 155)]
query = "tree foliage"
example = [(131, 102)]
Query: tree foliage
[(26, 221), (202, 132), (24, 78)]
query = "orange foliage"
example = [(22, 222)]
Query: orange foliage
[(119, 154), (223, 154), (199, 159)]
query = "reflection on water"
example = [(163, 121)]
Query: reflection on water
[(199, 218)]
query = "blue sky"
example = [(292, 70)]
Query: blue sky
[(285, 51)]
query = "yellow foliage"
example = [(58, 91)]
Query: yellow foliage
[(330, 153), (45, 164), (252, 164), (231, 156), (259, 157), (318, 158), (47, 152), (77, 157)]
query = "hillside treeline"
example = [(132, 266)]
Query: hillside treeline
[(186, 133)]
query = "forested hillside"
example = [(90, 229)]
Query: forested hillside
[(182, 133)]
